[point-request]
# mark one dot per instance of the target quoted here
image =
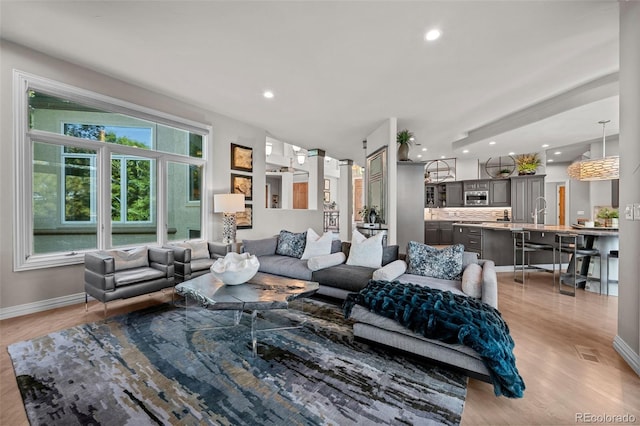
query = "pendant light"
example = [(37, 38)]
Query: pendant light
[(605, 168)]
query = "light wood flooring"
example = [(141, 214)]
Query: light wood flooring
[(563, 348)]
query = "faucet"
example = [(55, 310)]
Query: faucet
[(537, 211)]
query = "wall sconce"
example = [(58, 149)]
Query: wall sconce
[(269, 148), (228, 205), (301, 157)]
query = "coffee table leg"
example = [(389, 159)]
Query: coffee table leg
[(237, 316), (254, 341)]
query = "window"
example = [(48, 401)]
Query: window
[(92, 170)]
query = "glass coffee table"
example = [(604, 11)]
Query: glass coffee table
[(263, 292)]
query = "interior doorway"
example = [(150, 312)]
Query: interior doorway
[(300, 195)]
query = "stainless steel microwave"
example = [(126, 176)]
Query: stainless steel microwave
[(476, 198)]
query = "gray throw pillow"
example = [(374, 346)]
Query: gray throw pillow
[(429, 261), (291, 244)]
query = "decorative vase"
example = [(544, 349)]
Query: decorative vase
[(403, 152), (372, 216)]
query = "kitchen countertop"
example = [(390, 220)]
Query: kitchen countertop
[(511, 226)]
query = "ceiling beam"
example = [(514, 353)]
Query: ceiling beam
[(592, 91)]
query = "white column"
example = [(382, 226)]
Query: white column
[(316, 178), (286, 192), (345, 199)]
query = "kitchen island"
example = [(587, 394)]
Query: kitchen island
[(494, 240)]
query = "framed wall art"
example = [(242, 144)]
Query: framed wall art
[(241, 158), (242, 184), (244, 220)]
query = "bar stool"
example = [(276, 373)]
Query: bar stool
[(521, 244), (569, 243), (612, 254)]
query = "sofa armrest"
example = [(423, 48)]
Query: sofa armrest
[(162, 259), (99, 269), (180, 254), (218, 250), (489, 282)]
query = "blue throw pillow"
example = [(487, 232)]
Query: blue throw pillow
[(291, 244), (429, 261)]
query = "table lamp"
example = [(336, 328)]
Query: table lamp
[(228, 205)]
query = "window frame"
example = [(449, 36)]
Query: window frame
[(24, 138)]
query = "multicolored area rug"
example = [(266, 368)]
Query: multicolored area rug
[(148, 368)]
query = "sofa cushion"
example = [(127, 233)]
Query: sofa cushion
[(291, 244), (469, 257), (317, 245), (262, 247), (201, 264), (367, 252), (344, 277), (336, 246), (285, 266), (472, 280), (454, 286), (128, 259), (429, 261), (391, 271), (320, 262), (199, 248), (136, 275)]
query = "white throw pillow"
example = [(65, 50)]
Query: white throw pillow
[(390, 271), (321, 262), (472, 281), (366, 253), (317, 245), (199, 248), (128, 259)]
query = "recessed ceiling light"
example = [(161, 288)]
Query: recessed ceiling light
[(492, 143), (442, 156), (424, 149), (550, 160), (268, 94), (432, 35), (419, 155), (464, 151), (412, 138), (546, 145), (557, 153), (512, 153)]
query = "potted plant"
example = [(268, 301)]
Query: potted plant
[(608, 216), (504, 173), (405, 140), (527, 163)]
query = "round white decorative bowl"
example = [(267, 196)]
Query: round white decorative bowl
[(235, 268)]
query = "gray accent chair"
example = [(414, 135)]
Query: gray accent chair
[(188, 267), (108, 276)]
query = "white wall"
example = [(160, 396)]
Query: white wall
[(24, 290)]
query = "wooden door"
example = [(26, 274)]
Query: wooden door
[(357, 199), (561, 213), (300, 195)]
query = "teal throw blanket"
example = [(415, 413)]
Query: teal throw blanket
[(450, 318)]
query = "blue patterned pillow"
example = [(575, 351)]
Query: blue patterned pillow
[(290, 244), (429, 261)]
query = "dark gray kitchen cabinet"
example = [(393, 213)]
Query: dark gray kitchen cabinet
[(524, 192), (500, 193), (438, 232), (454, 194)]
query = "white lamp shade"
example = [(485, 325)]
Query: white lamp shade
[(228, 203)]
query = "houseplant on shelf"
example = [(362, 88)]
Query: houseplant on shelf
[(608, 217), (405, 140), (527, 163), (505, 173)]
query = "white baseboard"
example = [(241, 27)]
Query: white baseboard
[(43, 305), (625, 351)]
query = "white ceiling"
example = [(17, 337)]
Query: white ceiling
[(339, 69)]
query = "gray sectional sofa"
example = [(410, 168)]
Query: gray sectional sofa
[(339, 280)]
